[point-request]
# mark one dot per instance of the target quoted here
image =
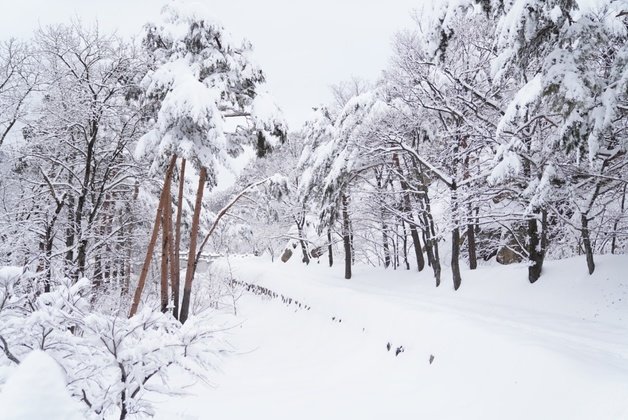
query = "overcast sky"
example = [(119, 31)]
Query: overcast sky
[(302, 46)]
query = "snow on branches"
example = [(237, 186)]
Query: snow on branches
[(111, 362)]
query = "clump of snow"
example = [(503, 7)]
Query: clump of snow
[(518, 106), (508, 166), (37, 391), (9, 275), (556, 14), (268, 117)]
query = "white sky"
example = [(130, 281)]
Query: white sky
[(303, 46)]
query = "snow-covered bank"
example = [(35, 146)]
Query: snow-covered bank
[(501, 348)]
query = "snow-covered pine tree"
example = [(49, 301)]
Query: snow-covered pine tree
[(201, 78)]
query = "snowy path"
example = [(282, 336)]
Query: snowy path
[(502, 348)]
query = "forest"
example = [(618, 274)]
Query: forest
[(496, 136)]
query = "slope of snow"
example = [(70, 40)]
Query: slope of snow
[(36, 390), (500, 347)]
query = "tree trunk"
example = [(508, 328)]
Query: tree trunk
[(127, 272), (300, 222), (351, 241), (153, 241), (69, 240), (330, 248), (534, 251), (431, 243), (586, 240), (176, 279), (455, 239), (455, 256), (47, 257), (306, 257), (174, 276), (191, 266), (165, 251), (405, 245), (623, 203), (473, 259), (420, 260), (385, 245), (163, 289), (346, 236), (428, 246)]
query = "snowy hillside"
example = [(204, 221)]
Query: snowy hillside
[(501, 348)]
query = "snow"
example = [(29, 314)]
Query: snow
[(518, 106), (9, 275), (36, 390), (267, 113), (556, 14), (228, 171), (501, 347)]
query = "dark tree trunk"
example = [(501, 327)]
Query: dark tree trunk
[(306, 257), (533, 250), (100, 267), (395, 259), (81, 258), (49, 245), (165, 251), (382, 215), (346, 236), (455, 257), (300, 222), (405, 245), (351, 241), (41, 264), (191, 266), (163, 286), (410, 215), (455, 239), (586, 241), (69, 240), (431, 243), (623, 203), (473, 260), (536, 247), (47, 258), (330, 248), (385, 245), (420, 260), (428, 247)]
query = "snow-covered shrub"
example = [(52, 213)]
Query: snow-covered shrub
[(110, 361)]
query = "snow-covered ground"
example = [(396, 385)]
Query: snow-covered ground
[(501, 347)]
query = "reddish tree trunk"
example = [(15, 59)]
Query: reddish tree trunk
[(176, 279), (165, 251), (153, 241), (191, 266)]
